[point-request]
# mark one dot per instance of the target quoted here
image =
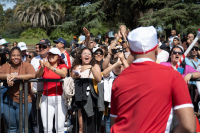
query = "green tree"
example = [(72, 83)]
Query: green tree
[(1, 17), (174, 15), (38, 13)]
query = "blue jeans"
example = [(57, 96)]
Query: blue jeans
[(107, 122), (14, 114), (3, 91)]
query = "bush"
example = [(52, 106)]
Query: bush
[(61, 33), (34, 33)]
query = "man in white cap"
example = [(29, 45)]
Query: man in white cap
[(23, 48), (145, 94)]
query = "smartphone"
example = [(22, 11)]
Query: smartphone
[(76, 72)]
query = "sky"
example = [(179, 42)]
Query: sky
[(7, 5)]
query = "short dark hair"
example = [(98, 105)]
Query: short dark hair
[(34, 53)]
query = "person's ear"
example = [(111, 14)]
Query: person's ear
[(156, 51)]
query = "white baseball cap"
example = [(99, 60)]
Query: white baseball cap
[(55, 51), (143, 40), (96, 48), (22, 46), (3, 41)]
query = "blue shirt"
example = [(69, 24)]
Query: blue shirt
[(189, 62)]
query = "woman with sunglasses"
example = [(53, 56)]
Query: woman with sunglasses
[(98, 55), (187, 71), (15, 69), (86, 67), (52, 101)]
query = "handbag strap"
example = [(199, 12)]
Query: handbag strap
[(193, 64)]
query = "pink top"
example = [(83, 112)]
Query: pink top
[(188, 69)]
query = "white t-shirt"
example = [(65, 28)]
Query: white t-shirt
[(162, 56), (108, 81), (37, 86)]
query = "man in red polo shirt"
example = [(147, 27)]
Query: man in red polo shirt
[(145, 95)]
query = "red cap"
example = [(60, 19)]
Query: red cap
[(199, 29), (74, 37)]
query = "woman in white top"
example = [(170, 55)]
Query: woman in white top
[(86, 65)]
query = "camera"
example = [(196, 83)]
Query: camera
[(114, 51)]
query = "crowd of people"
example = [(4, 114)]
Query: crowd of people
[(103, 70)]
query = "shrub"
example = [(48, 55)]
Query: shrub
[(34, 33)]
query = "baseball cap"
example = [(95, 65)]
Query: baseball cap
[(74, 37), (3, 42), (55, 51), (195, 46), (143, 40), (44, 42), (60, 40), (22, 46), (81, 39), (96, 48)]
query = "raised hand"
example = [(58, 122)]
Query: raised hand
[(41, 64), (87, 33), (47, 64)]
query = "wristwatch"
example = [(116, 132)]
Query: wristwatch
[(191, 74), (54, 69)]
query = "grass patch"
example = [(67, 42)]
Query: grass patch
[(29, 41)]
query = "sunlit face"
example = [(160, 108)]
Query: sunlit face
[(194, 51), (43, 49), (175, 42), (15, 57), (29, 57), (173, 32), (176, 55), (52, 57), (86, 57), (14, 44), (118, 69), (59, 45), (92, 44), (98, 55), (190, 36), (37, 50)]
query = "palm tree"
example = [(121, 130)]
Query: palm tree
[(39, 13)]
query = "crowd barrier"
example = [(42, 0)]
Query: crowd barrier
[(26, 128)]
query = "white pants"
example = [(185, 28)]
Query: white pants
[(55, 106)]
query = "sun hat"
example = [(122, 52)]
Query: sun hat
[(55, 51), (22, 46)]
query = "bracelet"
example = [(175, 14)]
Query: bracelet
[(191, 74)]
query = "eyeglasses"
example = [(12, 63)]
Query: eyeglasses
[(29, 56), (180, 53), (196, 49), (44, 47), (84, 53), (101, 53)]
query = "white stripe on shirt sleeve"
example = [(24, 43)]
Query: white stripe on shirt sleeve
[(183, 106), (115, 116)]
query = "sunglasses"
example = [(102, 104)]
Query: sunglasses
[(175, 52), (196, 49), (98, 53), (29, 56), (44, 47)]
